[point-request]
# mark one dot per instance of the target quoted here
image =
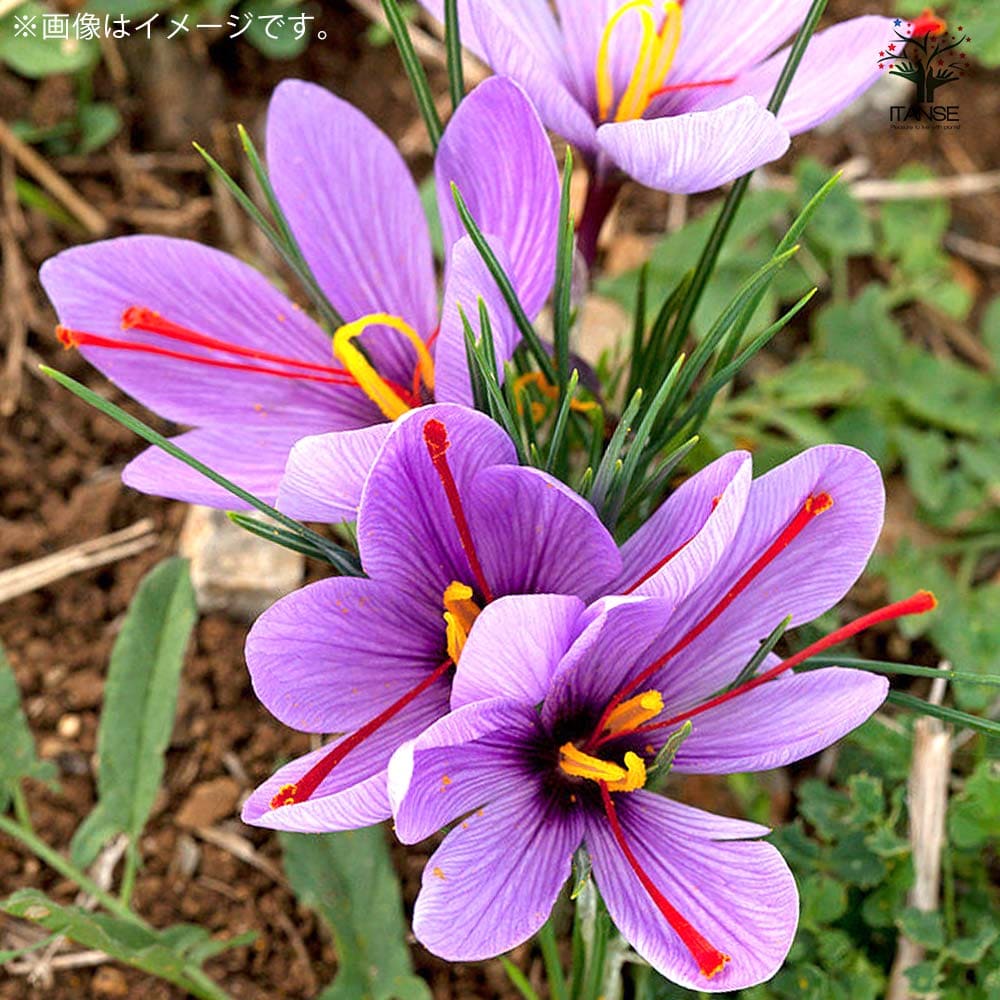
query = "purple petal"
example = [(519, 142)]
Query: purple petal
[(497, 153), (739, 896), (807, 578), (469, 280), (211, 293), (470, 757), (406, 532), (515, 48), (494, 880), (607, 654), (698, 151), (752, 32), (781, 721), (515, 647), (331, 656), (696, 523), (542, 34), (838, 67), (355, 212), (535, 535), (326, 473), (354, 794), (252, 458)]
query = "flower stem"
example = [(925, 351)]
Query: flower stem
[(553, 967), (602, 192)]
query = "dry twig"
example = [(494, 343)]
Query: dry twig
[(77, 558), (56, 185)]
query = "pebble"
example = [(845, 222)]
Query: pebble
[(233, 571), (208, 803)]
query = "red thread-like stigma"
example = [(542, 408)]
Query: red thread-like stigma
[(436, 440), (815, 505), (710, 960), (920, 603), (302, 789)]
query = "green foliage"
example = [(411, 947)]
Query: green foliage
[(173, 954), (348, 879), (140, 697), (18, 760), (36, 57)]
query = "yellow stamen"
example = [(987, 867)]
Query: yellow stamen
[(373, 385), (635, 712), (657, 50), (548, 390), (573, 761), (460, 614)]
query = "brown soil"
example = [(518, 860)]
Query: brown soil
[(59, 484)]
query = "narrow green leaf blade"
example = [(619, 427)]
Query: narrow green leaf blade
[(140, 697), (18, 759), (348, 879), (138, 946)]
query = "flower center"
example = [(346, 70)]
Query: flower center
[(629, 775), (657, 48), (391, 399), (460, 614)]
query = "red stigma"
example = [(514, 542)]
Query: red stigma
[(672, 88), (710, 960), (920, 603), (151, 322), (814, 506), (303, 789), (437, 443)]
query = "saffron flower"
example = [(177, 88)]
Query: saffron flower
[(448, 523), (672, 94), (205, 340), (560, 714)]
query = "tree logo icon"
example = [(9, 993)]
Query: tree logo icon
[(926, 52)]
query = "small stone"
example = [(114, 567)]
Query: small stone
[(109, 982), (208, 803), (68, 727), (234, 571), (82, 689)]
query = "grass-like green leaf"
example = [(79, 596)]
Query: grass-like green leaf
[(136, 945), (18, 759), (140, 697), (348, 879)]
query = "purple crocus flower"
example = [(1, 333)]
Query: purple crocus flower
[(203, 339), (448, 523), (672, 94), (559, 713)]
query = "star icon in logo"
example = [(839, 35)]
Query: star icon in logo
[(897, 22), (892, 48)]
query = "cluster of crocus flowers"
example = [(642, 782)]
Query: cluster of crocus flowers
[(508, 671), (503, 666), (205, 340)]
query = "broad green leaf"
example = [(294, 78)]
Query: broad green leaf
[(813, 382), (276, 39), (923, 927), (18, 759), (37, 56), (129, 942), (924, 978), (99, 123), (970, 950), (840, 226), (823, 900), (349, 880), (140, 697), (974, 818)]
